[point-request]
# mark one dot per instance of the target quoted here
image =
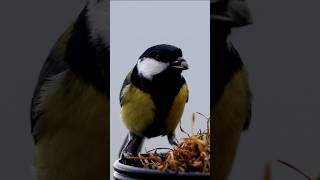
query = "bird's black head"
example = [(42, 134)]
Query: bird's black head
[(161, 58), (162, 52)]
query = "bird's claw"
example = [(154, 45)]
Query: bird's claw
[(172, 139), (127, 155)]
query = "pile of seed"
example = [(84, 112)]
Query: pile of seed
[(192, 154)]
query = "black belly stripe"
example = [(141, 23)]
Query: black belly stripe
[(163, 89)]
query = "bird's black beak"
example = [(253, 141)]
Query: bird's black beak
[(180, 63)]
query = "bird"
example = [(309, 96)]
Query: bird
[(153, 97), (70, 103), (230, 97), (235, 13)]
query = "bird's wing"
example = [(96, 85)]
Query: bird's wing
[(126, 82), (248, 120), (187, 90), (55, 64)]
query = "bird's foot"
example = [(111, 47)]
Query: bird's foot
[(127, 155), (172, 139)]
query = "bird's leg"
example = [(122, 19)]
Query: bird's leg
[(133, 146), (172, 139), (124, 144)]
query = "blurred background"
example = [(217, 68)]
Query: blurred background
[(28, 31), (281, 51)]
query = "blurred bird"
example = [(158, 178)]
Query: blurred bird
[(153, 97), (234, 13), (230, 92), (70, 105)]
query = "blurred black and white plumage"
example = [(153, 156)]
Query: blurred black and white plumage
[(230, 91), (235, 13), (70, 106)]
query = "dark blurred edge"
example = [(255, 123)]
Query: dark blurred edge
[(232, 14)]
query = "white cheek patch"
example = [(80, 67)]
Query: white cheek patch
[(98, 18), (149, 67)]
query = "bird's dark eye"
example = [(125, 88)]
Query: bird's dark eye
[(157, 56)]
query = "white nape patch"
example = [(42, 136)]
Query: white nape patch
[(149, 67), (99, 21)]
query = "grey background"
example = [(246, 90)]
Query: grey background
[(280, 51), (136, 26), (28, 30)]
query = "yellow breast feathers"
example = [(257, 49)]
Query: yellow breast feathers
[(136, 119)]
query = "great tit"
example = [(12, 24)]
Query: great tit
[(230, 91), (153, 97), (70, 105)]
